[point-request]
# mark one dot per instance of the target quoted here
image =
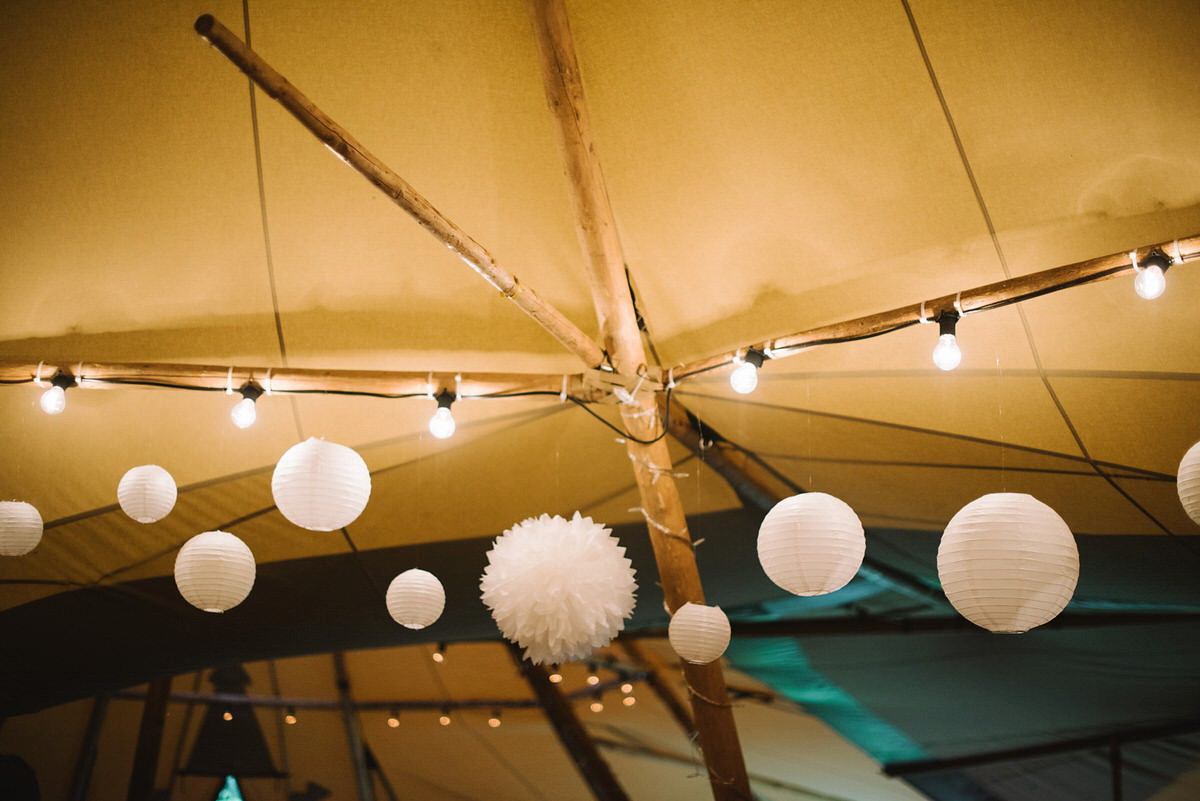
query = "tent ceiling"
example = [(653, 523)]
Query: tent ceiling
[(772, 166)]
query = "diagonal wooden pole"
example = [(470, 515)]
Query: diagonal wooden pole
[(571, 732), (647, 450), (347, 148)]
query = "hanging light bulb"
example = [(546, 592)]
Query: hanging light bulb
[(439, 655), (1151, 277), (54, 399), (946, 354), (444, 720), (627, 688), (555, 676), (597, 705), (441, 425), (744, 377), (393, 720), (227, 715), (629, 700), (494, 720), (290, 717), (244, 413), (592, 678)]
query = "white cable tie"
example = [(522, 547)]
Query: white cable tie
[(651, 521), (1178, 256), (457, 381), (619, 440), (229, 382), (1133, 261), (671, 378), (562, 396), (696, 543), (79, 374), (924, 317), (267, 382), (429, 385), (958, 303), (37, 377)]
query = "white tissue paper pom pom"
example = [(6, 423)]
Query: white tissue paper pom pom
[(558, 588)]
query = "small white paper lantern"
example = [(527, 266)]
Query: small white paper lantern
[(147, 493), (698, 633), (1188, 483), (811, 544), (20, 528), (1008, 562), (214, 571), (321, 486), (415, 598)]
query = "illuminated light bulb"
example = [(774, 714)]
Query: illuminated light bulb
[(227, 716), (1151, 279), (393, 720), (629, 700), (54, 400), (244, 412), (494, 720), (946, 354), (439, 655), (744, 377), (627, 688), (445, 718), (555, 677), (290, 717), (441, 425), (597, 706), (593, 679)]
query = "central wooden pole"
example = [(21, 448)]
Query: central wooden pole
[(622, 340)]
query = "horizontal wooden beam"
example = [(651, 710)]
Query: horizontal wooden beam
[(976, 299), (348, 149), (297, 380), (917, 767)]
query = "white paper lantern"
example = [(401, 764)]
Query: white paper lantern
[(1188, 483), (415, 598), (20, 528), (1008, 562), (147, 493), (698, 633), (214, 571), (811, 544), (321, 486), (558, 588)]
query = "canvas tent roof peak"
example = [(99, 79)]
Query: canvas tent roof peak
[(772, 168)]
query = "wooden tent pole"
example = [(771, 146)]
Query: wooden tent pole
[(980, 298), (591, 386), (149, 742), (348, 149), (571, 733), (647, 450)]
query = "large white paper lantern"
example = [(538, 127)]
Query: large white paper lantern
[(415, 598), (557, 587), (147, 493), (214, 571), (321, 486), (1188, 482), (699, 633), (1008, 562), (20, 528), (811, 544)]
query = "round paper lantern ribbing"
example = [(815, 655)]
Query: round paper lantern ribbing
[(147, 493), (1188, 482), (811, 544), (214, 571), (1008, 562), (698, 633), (321, 486), (415, 598), (558, 588), (20, 528)]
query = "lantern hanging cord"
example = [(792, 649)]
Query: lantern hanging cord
[(697, 694)]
